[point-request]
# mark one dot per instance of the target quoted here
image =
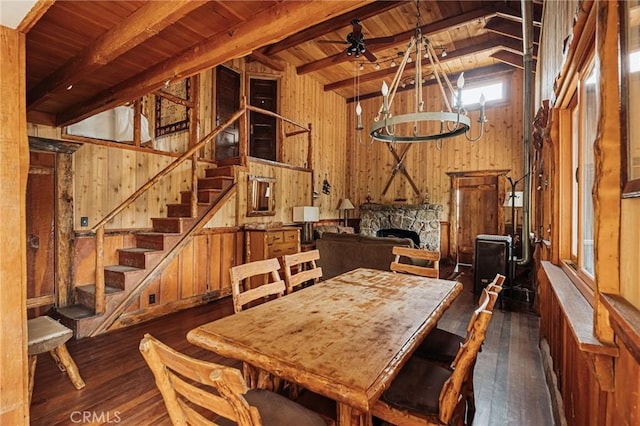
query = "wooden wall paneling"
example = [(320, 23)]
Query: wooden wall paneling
[(201, 269), (226, 216), (187, 272), (153, 288), (170, 283), (500, 148), (114, 182), (228, 257), (14, 169), (627, 378), (629, 265), (215, 262)]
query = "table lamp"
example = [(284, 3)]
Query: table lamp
[(306, 215), (346, 205)]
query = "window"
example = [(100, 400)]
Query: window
[(492, 92), (583, 127)]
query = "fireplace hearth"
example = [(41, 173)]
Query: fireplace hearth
[(423, 219)]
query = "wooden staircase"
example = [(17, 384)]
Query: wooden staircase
[(136, 264)]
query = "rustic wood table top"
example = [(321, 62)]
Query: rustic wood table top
[(345, 338)]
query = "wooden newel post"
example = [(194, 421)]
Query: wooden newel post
[(244, 131), (100, 296)]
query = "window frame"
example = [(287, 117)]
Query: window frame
[(571, 234), (506, 90)]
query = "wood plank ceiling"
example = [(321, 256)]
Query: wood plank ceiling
[(85, 57)]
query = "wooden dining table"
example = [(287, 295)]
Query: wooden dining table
[(345, 338)]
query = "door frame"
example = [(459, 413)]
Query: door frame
[(63, 213), (453, 213), (278, 79)]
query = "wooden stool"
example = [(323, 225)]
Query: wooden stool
[(47, 335)]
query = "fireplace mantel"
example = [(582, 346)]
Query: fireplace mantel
[(424, 219)]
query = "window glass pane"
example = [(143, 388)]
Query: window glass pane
[(575, 132), (589, 108), (471, 95)]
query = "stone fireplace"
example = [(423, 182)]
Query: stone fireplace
[(423, 219)]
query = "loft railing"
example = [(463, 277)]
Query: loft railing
[(191, 153)]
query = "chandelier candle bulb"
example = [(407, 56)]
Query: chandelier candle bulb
[(482, 118), (460, 86), (385, 97), (359, 116)]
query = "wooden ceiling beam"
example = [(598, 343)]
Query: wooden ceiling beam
[(267, 61), (330, 26), (269, 26), (494, 43), (512, 45), (510, 29), (515, 14), (511, 58), (428, 30), (470, 75), (143, 24)]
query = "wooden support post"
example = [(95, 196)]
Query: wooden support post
[(244, 134), (193, 140), (137, 119), (100, 294)]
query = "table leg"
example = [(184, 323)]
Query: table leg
[(349, 416), (61, 355), (32, 373)]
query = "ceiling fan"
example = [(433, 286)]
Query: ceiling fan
[(356, 42)]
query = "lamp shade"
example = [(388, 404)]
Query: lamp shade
[(346, 204), (306, 214), (516, 199)]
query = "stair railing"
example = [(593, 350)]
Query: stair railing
[(191, 153), (98, 228)]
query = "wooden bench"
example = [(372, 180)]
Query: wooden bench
[(47, 335)]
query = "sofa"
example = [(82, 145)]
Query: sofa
[(342, 252)]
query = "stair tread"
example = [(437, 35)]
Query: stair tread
[(76, 312), (139, 250), (152, 233), (91, 288), (122, 268)]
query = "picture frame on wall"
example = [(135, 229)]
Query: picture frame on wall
[(630, 91), (172, 116)]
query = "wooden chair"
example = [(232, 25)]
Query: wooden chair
[(47, 335), (180, 380), (442, 346), (419, 259), (239, 273), (298, 261), (424, 392)]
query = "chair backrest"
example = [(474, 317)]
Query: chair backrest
[(295, 262), (411, 268), (239, 273), (496, 284), (465, 359), (170, 368)]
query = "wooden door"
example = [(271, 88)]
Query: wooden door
[(41, 244), (476, 210), (227, 102), (262, 139)]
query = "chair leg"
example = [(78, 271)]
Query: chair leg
[(32, 373), (62, 357)]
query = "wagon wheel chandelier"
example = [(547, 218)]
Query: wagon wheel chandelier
[(452, 122)]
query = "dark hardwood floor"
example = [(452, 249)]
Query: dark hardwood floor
[(509, 381)]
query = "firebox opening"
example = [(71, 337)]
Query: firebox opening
[(400, 233)]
